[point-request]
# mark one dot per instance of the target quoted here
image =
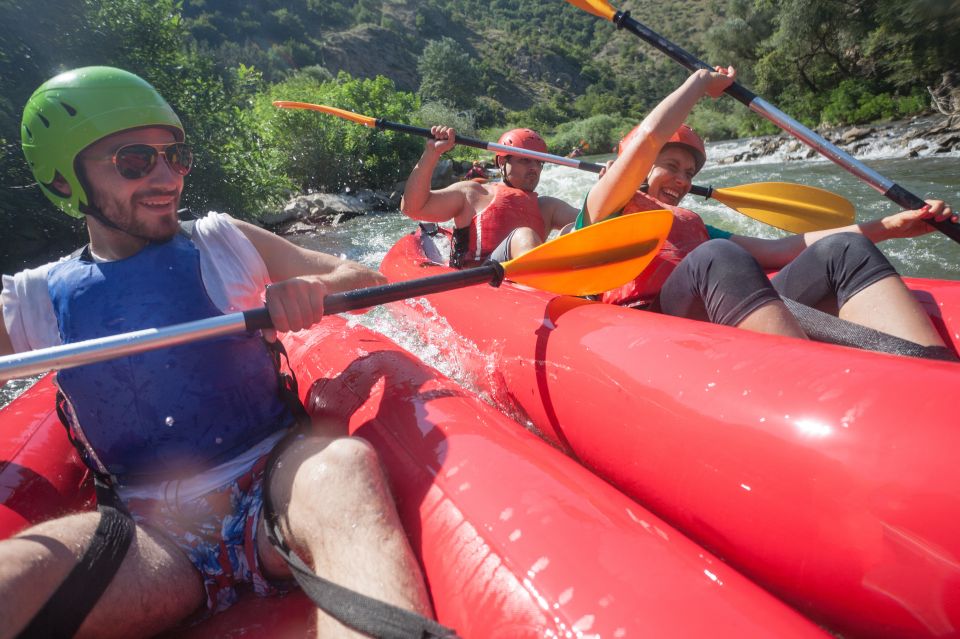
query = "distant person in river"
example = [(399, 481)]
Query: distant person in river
[(578, 150), (475, 172), (188, 444), (498, 220), (708, 274)]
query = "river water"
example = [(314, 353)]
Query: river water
[(366, 239)]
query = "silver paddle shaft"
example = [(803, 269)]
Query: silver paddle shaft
[(104, 348), (836, 155)]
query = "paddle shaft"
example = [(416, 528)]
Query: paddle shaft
[(104, 348), (703, 191), (380, 123), (493, 146), (758, 105)]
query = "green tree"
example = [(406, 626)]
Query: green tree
[(148, 39), (600, 133), (327, 153), (448, 74)]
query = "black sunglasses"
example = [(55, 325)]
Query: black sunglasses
[(134, 161)]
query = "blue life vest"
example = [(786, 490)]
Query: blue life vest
[(173, 411)]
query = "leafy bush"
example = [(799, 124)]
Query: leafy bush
[(487, 111), (448, 73), (439, 112), (541, 116), (317, 151), (853, 102), (600, 132), (723, 119)]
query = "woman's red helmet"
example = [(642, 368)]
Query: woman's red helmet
[(684, 136)]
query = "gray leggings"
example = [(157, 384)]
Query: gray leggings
[(722, 283)]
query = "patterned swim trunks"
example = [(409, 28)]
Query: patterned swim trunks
[(218, 532)]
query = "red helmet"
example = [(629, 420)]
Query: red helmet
[(684, 136), (521, 138)]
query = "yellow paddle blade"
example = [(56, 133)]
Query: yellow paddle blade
[(365, 120), (599, 8), (792, 207), (594, 259)]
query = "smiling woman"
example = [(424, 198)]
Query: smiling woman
[(708, 274)]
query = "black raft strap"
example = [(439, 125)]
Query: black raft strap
[(72, 601), (359, 612), (287, 381), (824, 327), (69, 605), (459, 246)]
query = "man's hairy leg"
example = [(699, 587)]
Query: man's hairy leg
[(156, 585), (337, 513)]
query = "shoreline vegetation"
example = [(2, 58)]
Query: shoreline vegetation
[(543, 65)]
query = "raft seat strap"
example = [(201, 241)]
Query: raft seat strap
[(824, 327), (459, 246), (69, 605)]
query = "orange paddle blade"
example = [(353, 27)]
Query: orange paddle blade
[(596, 258), (599, 8), (365, 120)]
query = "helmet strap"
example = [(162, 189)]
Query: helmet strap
[(92, 209), (98, 215), (503, 173), (95, 212)]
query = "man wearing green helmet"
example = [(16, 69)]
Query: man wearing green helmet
[(208, 423)]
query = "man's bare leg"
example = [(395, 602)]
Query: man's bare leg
[(155, 588), (338, 515)]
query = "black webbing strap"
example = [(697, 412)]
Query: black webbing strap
[(364, 614), (69, 605), (289, 388), (824, 327), (459, 246)]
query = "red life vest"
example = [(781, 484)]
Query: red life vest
[(511, 208), (687, 233)]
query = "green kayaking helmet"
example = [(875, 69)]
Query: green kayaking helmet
[(71, 111)]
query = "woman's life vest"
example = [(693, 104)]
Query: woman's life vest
[(510, 209), (687, 233), (169, 412)]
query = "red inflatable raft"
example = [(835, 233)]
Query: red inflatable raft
[(828, 475), (516, 540)]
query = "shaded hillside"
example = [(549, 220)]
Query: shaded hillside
[(528, 51)]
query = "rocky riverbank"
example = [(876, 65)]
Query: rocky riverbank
[(303, 213), (921, 136)]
